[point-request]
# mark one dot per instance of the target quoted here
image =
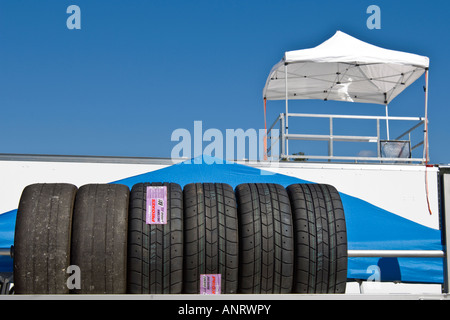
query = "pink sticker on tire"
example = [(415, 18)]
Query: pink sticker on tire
[(210, 283), (156, 211)]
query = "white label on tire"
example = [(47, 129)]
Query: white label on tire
[(156, 211)]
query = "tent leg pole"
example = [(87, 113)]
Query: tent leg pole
[(287, 109), (265, 131), (387, 122), (425, 138)]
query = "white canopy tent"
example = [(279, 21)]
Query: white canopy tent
[(344, 68)]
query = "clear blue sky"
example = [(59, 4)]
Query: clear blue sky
[(137, 70)]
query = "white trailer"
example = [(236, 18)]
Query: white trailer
[(378, 213)]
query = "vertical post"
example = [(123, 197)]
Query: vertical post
[(265, 131), (330, 142), (446, 225), (387, 122), (378, 139), (283, 151), (425, 138), (287, 108)]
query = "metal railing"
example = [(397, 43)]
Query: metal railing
[(283, 137), (350, 253), (6, 252), (396, 254)]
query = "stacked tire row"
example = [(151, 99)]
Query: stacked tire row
[(260, 238)]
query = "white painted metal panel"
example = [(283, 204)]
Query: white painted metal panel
[(399, 189)]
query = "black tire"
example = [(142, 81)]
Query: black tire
[(99, 238), (320, 237), (155, 252), (42, 239), (211, 235), (266, 239)]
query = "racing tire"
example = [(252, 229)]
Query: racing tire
[(266, 239), (42, 238), (155, 251), (99, 238), (210, 236), (320, 239)]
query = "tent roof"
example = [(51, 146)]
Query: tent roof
[(344, 68)]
